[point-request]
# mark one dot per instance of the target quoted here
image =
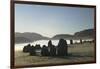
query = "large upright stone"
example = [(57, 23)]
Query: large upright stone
[(32, 51), (26, 48), (62, 49), (44, 51), (81, 41), (71, 41), (38, 49), (49, 43), (51, 48), (37, 46)]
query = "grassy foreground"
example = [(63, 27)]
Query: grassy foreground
[(77, 53)]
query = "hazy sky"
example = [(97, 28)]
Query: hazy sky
[(51, 20)]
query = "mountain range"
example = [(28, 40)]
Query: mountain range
[(30, 36)]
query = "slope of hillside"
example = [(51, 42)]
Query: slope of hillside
[(88, 33), (22, 40), (27, 37), (84, 34), (64, 36)]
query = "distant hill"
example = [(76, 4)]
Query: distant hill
[(22, 40), (30, 37), (88, 33), (84, 34), (64, 36)]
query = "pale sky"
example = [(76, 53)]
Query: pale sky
[(51, 20)]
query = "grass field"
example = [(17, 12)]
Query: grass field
[(77, 53)]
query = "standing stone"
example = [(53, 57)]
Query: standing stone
[(26, 48), (37, 46), (44, 51), (62, 49), (52, 49), (71, 41), (38, 49), (32, 51), (81, 41)]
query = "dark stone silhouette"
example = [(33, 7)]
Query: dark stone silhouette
[(44, 51), (38, 49), (93, 40), (37, 46), (26, 48), (81, 41), (32, 51), (52, 49), (62, 49), (49, 43), (71, 41)]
